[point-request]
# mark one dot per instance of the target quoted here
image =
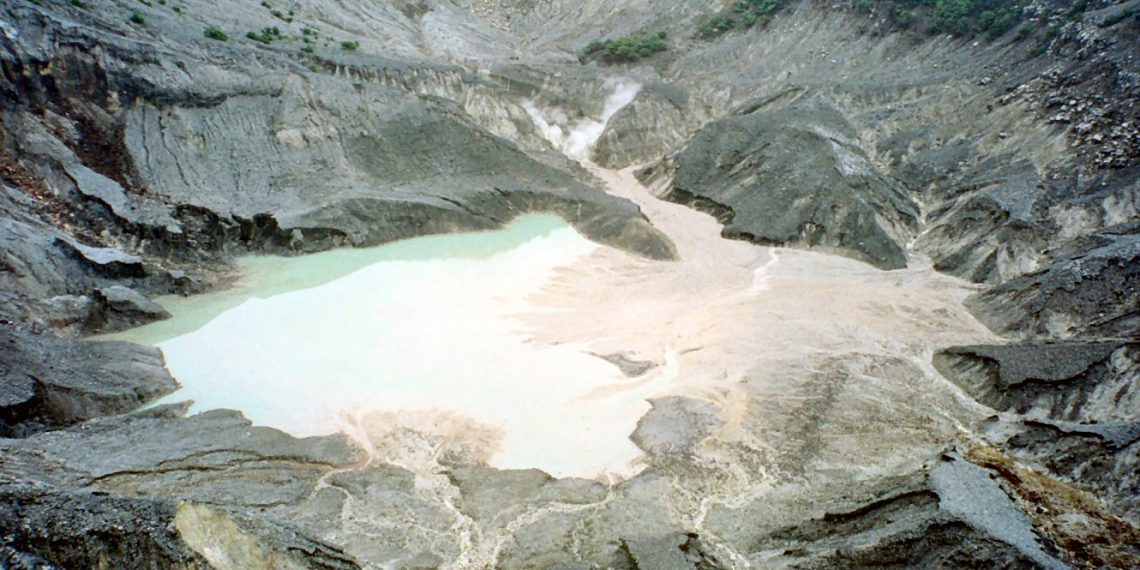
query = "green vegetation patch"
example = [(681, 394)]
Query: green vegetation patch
[(266, 35), (962, 18), (216, 33), (976, 17), (1119, 17), (716, 26), (287, 18), (743, 14), (626, 49)]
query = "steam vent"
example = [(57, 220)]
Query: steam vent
[(569, 284)]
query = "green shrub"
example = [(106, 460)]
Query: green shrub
[(962, 18), (716, 26), (744, 14), (968, 18), (625, 49), (349, 46), (266, 35), (79, 3), (215, 33), (1023, 32), (137, 18), (997, 22), (307, 49), (1118, 18), (902, 16), (765, 7)]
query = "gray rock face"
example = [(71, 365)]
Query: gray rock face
[(34, 269), (675, 426), (51, 382), (115, 262), (64, 311), (491, 493), (343, 161), (1079, 402), (1071, 381), (41, 518), (647, 128), (85, 529), (629, 366), (1088, 288), (795, 176), (1100, 457), (1116, 435), (141, 211), (988, 226), (160, 440), (124, 307), (948, 515), (125, 299), (378, 166), (966, 490), (50, 279)]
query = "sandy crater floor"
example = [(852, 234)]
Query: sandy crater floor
[(810, 358)]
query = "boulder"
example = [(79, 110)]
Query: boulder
[(51, 382)]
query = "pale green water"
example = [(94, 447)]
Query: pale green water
[(263, 276), (423, 328)]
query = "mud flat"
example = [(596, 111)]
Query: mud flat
[(808, 349)]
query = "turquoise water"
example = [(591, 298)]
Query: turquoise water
[(264, 276)]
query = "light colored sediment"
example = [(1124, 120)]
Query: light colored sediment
[(761, 332)]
